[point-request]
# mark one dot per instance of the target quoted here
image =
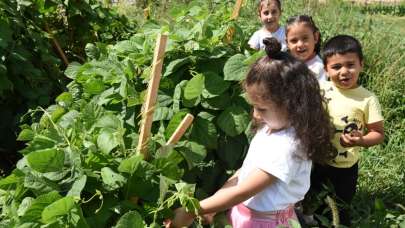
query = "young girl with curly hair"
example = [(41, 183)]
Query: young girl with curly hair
[(293, 130)]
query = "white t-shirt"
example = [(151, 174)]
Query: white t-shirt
[(316, 65), (277, 154), (256, 41)]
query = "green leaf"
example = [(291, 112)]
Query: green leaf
[(39, 142), (77, 186), (234, 69), (47, 160), (175, 65), (72, 70), (194, 87), (174, 123), (131, 219), (217, 103), (109, 121), (130, 165), (68, 119), (204, 132), (5, 34), (92, 51), (33, 213), (214, 85), (111, 179), (233, 120), (25, 204), (59, 208), (253, 58), (193, 152), (162, 113), (107, 140), (94, 86), (26, 135), (231, 150)]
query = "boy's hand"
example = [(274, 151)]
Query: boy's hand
[(354, 138), (182, 218)]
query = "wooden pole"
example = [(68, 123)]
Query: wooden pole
[(234, 16), (181, 129), (148, 108), (57, 46)]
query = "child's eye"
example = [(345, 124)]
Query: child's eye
[(336, 67)]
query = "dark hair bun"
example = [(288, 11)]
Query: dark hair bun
[(273, 47)]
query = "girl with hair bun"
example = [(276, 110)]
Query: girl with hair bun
[(292, 130)]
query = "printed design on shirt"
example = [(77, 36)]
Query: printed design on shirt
[(350, 125)]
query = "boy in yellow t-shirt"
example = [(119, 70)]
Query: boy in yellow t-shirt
[(356, 114)]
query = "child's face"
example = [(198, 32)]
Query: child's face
[(344, 69), (301, 41), (270, 15), (265, 111)]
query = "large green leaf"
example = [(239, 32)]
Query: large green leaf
[(231, 150), (72, 70), (162, 113), (94, 86), (107, 140), (131, 219), (234, 69), (233, 120), (204, 132), (217, 103), (77, 186), (109, 121), (194, 87), (59, 208), (193, 152), (214, 85), (175, 65), (39, 142), (174, 123), (47, 160), (33, 213), (130, 165), (111, 179)]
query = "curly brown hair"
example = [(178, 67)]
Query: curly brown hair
[(290, 84)]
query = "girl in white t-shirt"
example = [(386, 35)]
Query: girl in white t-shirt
[(269, 13), (304, 43), (292, 129)]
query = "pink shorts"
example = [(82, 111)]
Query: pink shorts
[(241, 216)]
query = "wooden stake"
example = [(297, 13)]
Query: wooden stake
[(234, 16), (57, 46), (148, 108), (181, 129)]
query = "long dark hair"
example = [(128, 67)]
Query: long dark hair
[(307, 21), (290, 84)]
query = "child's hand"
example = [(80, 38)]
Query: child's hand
[(182, 218), (354, 138), (208, 218)]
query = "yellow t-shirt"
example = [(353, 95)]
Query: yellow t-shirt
[(350, 109)]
